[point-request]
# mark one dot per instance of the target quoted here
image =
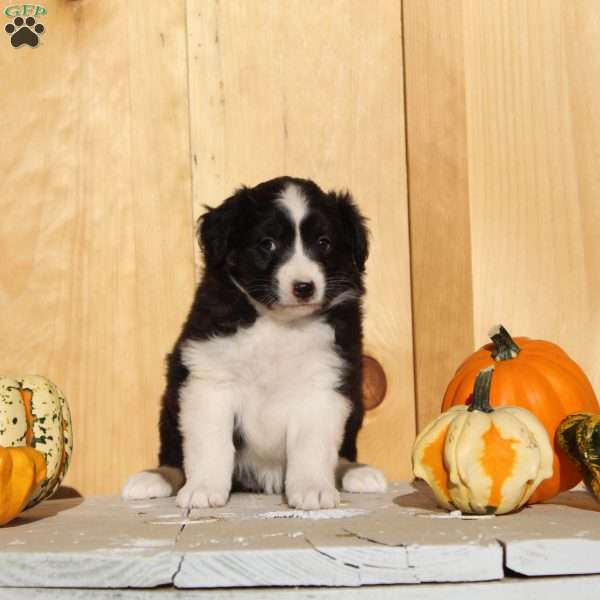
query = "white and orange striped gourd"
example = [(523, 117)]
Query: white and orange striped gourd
[(34, 413), (482, 460)]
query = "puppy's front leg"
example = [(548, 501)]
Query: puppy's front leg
[(206, 421), (314, 436)]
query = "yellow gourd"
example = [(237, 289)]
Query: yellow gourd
[(483, 460), (22, 471)]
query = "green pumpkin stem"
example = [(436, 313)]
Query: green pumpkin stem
[(481, 391), (504, 346)]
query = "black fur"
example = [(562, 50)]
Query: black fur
[(230, 237)]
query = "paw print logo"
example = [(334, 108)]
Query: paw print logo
[(24, 32)]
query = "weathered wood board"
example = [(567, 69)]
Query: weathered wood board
[(549, 588), (559, 538), (256, 540), (368, 540)]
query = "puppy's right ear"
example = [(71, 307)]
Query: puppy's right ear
[(215, 228)]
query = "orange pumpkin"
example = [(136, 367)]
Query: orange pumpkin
[(536, 375)]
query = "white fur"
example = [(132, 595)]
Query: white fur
[(278, 381), (154, 483), (166, 481), (298, 267), (359, 478)]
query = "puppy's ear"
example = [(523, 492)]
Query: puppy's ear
[(355, 228), (215, 228)]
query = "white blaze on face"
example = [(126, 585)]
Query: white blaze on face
[(298, 267)]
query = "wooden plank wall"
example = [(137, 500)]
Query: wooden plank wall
[(503, 146), (129, 117), (438, 197), (96, 210)]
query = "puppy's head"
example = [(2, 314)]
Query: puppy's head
[(291, 248)]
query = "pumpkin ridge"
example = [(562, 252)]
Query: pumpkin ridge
[(458, 481), (60, 470), (5, 464), (450, 392), (528, 388), (497, 462), (507, 383), (581, 384), (562, 361), (544, 344), (553, 485), (537, 434), (63, 456), (433, 459), (27, 397)]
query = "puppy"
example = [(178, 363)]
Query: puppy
[(264, 383)]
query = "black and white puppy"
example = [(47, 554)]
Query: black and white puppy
[(264, 383)]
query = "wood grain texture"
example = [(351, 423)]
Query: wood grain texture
[(97, 271), (534, 210), (314, 89), (501, 110), (515, 588), (581, 32), (442, 289)]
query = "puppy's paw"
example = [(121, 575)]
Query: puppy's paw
[(311, 495), (364, 479), (147, 484), (193, 495)]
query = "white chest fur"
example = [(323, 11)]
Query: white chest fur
[(267, 378), (270, 357)]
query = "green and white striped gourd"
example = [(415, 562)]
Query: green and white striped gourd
[(34, 412)]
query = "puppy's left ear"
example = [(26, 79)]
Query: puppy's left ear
[(355, 228), (215, 229)]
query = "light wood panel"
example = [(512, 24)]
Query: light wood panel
[(580, 30), (438, 197), (519, 81), (314, 89), (95, 235), (533, 79)]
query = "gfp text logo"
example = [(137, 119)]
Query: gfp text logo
[(24, 29)]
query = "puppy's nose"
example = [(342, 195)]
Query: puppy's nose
[(303, 290)]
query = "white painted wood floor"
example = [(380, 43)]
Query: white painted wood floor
[(256, 541)]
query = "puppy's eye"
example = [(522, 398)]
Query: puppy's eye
[(324, 243), (267, 245)]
